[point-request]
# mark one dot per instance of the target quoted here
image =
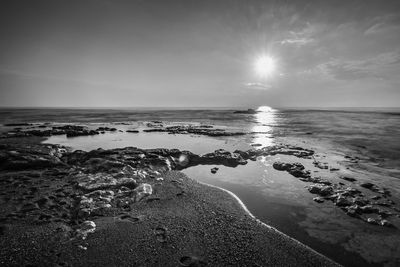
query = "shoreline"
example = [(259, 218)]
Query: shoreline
[(183, 222), (246, 210)]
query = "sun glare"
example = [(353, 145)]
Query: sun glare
[(265, 66)]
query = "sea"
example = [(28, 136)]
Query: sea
[(371, 136)]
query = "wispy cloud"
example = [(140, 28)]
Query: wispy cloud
[(257, 86), (357, 69), (305, 36), (297, 41), (384, 24)]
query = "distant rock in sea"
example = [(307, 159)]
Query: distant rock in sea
[(249, 111)]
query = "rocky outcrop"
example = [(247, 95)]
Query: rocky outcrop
[(248, 111), (295, 169)]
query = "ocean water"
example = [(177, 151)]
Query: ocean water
[(277, 198)]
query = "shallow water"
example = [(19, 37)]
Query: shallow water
[(274, 197), (195, 144)]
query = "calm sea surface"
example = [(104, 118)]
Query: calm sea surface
[(272, 196)]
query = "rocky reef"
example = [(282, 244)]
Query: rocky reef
[(374, 209), (71, 130)]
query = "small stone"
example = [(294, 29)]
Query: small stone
[(385, 223), (142, 191), (82, 247), (373, 221), (318, 199), (87, 227)]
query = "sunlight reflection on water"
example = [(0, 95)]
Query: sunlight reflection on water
[(265, 118)]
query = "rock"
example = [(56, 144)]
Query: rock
[(370, 186), (353, 211), (321, 165), (386, 223), (322, 190), (318, 199), (342, 201), (222, 157), (214, 170), (85, 228), (360, 201), (295, 169), (142, 191), (91, 182), (248, 111), (373, 221), (190, 129), (132, 131), (350, 179), (349, 191), (17, 124), (368, 209), (256, 144)]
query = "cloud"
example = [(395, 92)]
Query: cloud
[(384, 24), (356, 69), (305, 36), (257, 86), (297, 41)]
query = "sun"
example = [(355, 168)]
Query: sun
[(265, 66)]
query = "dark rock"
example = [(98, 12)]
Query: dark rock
[(249, 111), (256, 144), (295, 169), (322, 190), (370, 186), (321, 165), (369, 209), (350, 179), (17, 124), (214, 170), (342, 201), (318, 199), (360, 201)]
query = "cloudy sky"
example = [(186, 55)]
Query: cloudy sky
[(105, 53)]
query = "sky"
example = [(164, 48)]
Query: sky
[(191, 53)]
